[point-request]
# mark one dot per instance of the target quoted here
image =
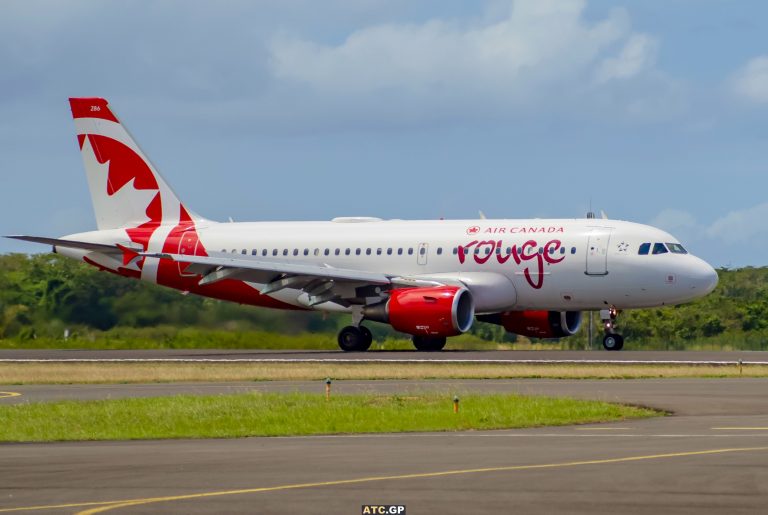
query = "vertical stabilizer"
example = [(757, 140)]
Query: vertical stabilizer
[(126, 189)]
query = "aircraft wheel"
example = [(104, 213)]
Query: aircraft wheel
[(613, 342), (367, 335), (353, 339), (428, 344)]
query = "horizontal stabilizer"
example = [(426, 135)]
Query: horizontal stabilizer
[(56, 242)]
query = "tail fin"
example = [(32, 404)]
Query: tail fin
[(126, 189)]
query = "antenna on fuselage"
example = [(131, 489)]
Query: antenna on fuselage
[(590, 213)]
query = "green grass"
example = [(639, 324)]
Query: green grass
[(274, 414), (168, 337)]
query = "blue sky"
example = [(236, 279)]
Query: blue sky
[(653, 111)]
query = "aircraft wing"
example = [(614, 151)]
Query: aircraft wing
[(321, 283)]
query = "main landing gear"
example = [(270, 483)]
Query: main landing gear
[(612, 340), (355, 338)]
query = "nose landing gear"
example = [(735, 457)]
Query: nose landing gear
[(612, 340)]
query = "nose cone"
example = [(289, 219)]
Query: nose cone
[(702, 277)]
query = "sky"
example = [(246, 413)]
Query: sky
[(653, 111)]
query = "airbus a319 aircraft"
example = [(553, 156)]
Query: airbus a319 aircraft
[(430, 279)]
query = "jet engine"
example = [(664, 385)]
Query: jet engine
[(537, 324), (439, 311)]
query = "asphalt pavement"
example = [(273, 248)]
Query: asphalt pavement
[(709, 456)]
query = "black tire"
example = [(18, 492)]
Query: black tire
[(613, 342), (428, 343), (352, 339), (368, 335)]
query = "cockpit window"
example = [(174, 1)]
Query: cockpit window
[(659, 248), (676, 248), (644, 248)]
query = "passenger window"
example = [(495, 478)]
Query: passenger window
[(295, 252), (327, 251), (455, 250), (378, 252), (389, 251), (676, 248), (337, 252), (659, 248), (573, 250), (254, 252), (234, 251), (317, 252), (346, 252), (541, 250), (357, 252), (306, 252), (264, 252), (285, 252), (422, 251), (477, 251), (644, 249), (223, 250), (562, 250), (274, 252), (243, 252), (400, 251), (367, 252), (410, 251)]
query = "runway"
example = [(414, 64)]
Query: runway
[(710, 457), (504, 356)]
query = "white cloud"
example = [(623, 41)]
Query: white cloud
[(638, 55), (674, 219), (751, 82), (540, 53), (741, 226)]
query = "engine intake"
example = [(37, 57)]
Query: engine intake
[(537, 324), (438, 311)]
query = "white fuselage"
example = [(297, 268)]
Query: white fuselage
[(559, 264)]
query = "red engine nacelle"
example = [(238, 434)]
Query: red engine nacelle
[(537, 324), (439, 311)]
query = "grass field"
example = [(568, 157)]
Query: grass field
[(65, 373), (272, 414)]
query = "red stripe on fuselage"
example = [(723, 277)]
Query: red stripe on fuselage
[(183, 239)]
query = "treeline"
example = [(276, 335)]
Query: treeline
[(47, 298)]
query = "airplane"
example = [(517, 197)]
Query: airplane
[(430, 279)]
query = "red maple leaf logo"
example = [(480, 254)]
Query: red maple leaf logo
[(473, 230)]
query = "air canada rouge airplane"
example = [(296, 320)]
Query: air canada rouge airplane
[(430, 279)]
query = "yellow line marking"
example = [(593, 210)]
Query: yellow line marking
[(740, 428), (56, 506), (5, 395), (110, 505), (602, 428)]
